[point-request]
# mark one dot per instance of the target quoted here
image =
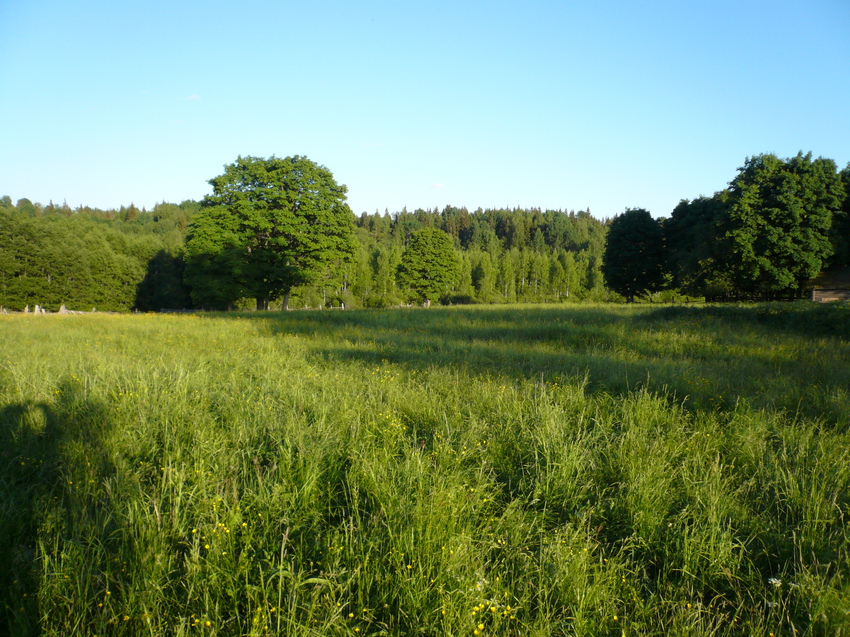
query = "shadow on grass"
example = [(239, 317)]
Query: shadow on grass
[(708, 357), (38, 498), (802, 318)]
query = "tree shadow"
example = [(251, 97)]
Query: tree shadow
[(692, 355), (789, 317), (163, 286)]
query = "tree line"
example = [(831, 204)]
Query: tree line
[(85, 258), (188, 255), (778, 224), (279, 233)]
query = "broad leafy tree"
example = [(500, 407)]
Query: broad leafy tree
[(690, 236), (841, 225), (778, 221), (215, 254), (270, 225), (55, 260), (429, 265), (633, 262)]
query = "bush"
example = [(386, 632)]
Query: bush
[(458, 299), (382, 301)]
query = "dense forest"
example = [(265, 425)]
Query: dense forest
[(777, 224), (85, 258), (119, 260)]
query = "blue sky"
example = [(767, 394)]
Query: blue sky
[(565, 105)]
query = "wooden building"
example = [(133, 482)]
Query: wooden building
[(831, 285)]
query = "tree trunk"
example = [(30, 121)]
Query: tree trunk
[(285, 305), (262, 303)]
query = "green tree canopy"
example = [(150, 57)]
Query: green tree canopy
[(633, 262), (429, 265), (270, 225), (841, 225), (777, 223), (56, 260), (690, 236)]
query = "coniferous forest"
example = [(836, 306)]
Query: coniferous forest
[(776, 226), (120, 260)]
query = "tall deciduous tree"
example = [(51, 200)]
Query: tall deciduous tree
[(778, 221), (633, 262), (841, 225), (214, 255), (429, 265), (690, 236), (270, 225)]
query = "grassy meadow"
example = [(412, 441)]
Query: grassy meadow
[(570, 470)]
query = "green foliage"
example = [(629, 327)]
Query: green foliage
[(276, 224), (764, 237), (777, 223), (767, 235), (483, 275), (634, 254), (52, 255), (157, 240), (58, 260), (429, 266), (518, 271), (587, 470), (214, 256), (691, 241), (840, 235)]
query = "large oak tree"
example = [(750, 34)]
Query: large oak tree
[(778, 220), (270, 225)]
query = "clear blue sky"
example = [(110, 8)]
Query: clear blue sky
[(572, 105)]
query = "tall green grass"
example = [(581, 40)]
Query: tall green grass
[(478, 471)]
